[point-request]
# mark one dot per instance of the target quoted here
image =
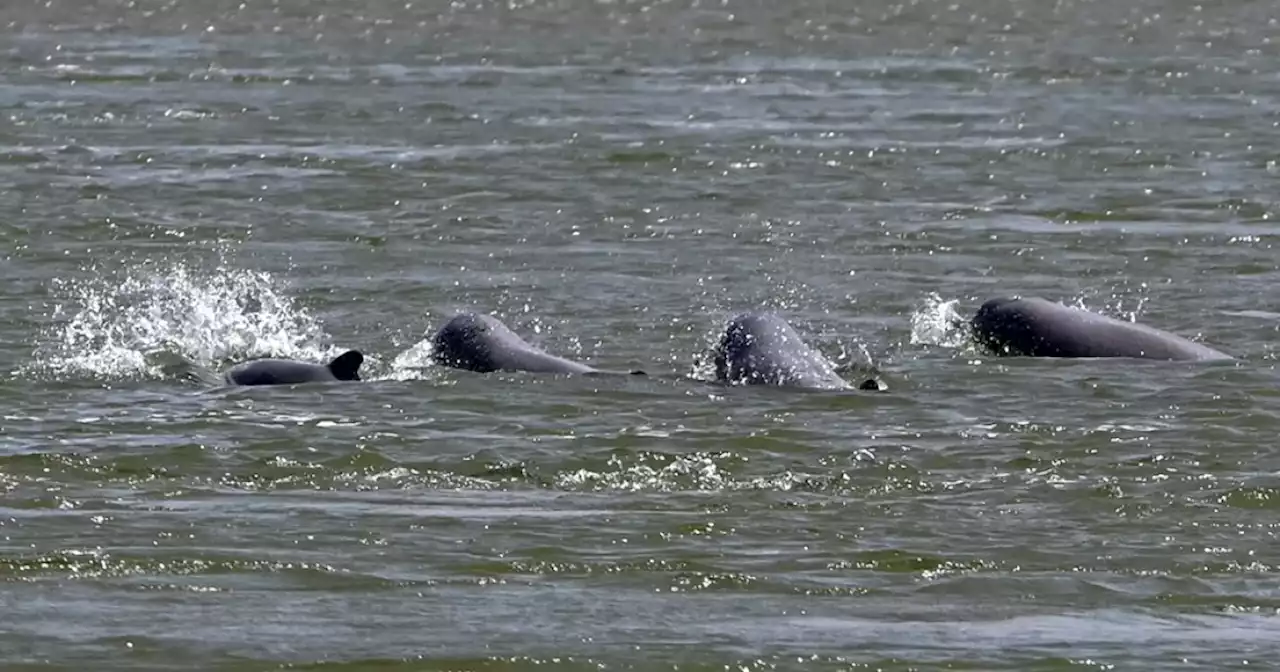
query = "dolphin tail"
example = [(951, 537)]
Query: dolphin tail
[(347, 365)]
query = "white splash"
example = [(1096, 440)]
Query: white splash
[(410, 364), (936, 322), (126, 324)]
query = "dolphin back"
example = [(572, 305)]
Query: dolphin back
[(1037, 327), (482, 343), (289, 372), (762, 348)]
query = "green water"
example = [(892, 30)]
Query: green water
[(214, 181)]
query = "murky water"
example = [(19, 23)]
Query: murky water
[(214, 181)]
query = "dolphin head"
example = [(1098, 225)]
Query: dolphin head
[(464, 342)]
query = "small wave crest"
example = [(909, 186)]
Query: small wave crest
[(142, 320)]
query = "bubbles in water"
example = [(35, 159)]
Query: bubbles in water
[(937, 322), (134, 323)]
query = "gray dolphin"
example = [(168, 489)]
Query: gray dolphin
[(1036, 327), (288, 372), (482, 343), (761, 348)]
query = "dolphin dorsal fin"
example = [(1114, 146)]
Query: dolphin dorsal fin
[(347, 365)]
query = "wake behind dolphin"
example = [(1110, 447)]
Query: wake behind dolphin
[(761, 348), (1036, 327), (482, 343)]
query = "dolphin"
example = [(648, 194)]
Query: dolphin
[(482, 343), (288, 372), (1037, 327), (762, 348)]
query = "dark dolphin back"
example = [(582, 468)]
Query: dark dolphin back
[(764, 349), (290, 372), (1037, 327), (276, 372), (347, 365), (482, 343)]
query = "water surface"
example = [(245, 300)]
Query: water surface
[(214, 181)]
